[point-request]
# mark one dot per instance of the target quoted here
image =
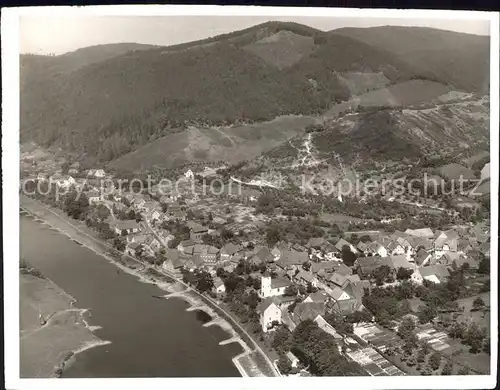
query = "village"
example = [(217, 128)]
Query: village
[(392, 302)]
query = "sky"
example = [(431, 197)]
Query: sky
[(43, 34)]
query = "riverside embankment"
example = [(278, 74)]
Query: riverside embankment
[(134, 316)]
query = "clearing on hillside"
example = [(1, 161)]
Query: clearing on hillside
[(230, 144), (282, 49)]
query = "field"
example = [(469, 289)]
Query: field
[(44, 348), (282, 49), (231, 144), (397, 95), (454, 171)]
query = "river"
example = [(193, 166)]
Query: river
[(149, 337)]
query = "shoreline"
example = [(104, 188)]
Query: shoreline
[(251, 368), (38, 333)]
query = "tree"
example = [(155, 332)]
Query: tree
[(65, 167), (435, 360), (487, 346), (119, 244), (284, 364), (404, 273), (380, 274), (448, 368), (427, 370), (204, 281), (426, 314), (464, 371), (421, 356), (348, 257), (281, 340), (412, 360), (173, 243), (291, 291), (406, 328), (478, 303), (273, 236), (484, 265)]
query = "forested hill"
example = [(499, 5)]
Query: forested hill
[(114, 99), (459, 59)]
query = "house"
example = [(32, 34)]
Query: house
[(133, 248), (63, 181), (462, 202), (273, 287), (194, 262), (264, 255), (270, 313), (219, 287), (124, 227), (292, 259), (435, 273), (93, 196), (461, 261), (422, 257), (189, 174), (338, 294), (376, 249), (97, 173), (326, 327), (318, 297), (207, 253), (305, 278), (150, 206), (186, 246), (196, 231), (366, 265), (42, 176), (423, 233), (363, 246), (307, 311), (344, 306), (395, 248), (229, 250), (485, 172), (175, 261), (445, 241), (316, 243), (294, 360), (154, 215), (322, 265), (138, 201), (338, 280), (341, 243), (278, 249), (484, 248)]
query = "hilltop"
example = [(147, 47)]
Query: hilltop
[(108, 101), (459, 59)]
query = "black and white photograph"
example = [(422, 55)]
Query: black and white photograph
[(239, 192)]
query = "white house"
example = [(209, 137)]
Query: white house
[(485, 172), (416, 277), (99, 173), (273, 287), (93, 196), (219, 287), (270, 313), (294, 360), (189, 174)]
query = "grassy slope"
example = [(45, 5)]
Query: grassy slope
[(232, 144)]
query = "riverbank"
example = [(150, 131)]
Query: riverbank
[(252, 362), (51, 329)]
